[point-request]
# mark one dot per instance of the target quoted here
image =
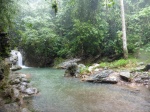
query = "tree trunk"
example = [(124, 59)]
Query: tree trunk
[(124, 39)]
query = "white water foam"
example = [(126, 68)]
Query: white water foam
[(19, 62)]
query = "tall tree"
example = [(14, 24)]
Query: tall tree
[(124, 39), (8, 10)]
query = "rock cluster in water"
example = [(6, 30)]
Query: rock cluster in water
[(71, 70), (104, 75)]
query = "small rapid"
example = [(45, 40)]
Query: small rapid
[(60, 94)]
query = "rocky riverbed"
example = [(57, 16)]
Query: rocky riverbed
[(18, 88)]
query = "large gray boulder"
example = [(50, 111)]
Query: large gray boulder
[(102, 77), (72, 70), (125, 75), (67, 63), (31, 91)]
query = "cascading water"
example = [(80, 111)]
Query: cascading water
[(19, 62)]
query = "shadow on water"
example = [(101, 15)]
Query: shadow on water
[(60, 94)]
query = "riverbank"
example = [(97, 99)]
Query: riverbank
[(122, 72), (18, 89), (55, 85), (69, 94)]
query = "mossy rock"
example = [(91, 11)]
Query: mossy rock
[(5, 69)]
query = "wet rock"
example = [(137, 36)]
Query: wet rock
[(102, 77), (147, 67), (22, 88), (16, 93), (15, 81), (146, 82), (125, 75), (25, 80), (15, 68), (138, 80), (145, 75), (67, 63), (110, 80), (23, 75), (142, 77), (24, 84), (72, 70), (102, 74), (31, 91)]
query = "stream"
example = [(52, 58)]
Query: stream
[(61, 94)]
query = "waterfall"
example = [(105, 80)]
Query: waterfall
[(19, 62)]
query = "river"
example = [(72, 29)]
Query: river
[(60, 94)]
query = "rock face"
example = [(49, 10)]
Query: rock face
[(67, 63), (102, 77), (14, 57), (72, 70), (21, 83), (14, 60), (15, 68), (125, 75), (15, 94)]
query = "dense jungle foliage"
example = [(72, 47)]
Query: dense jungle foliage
[(49, 29)]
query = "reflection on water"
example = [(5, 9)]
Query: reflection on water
[(60, 94)]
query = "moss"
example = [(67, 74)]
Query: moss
[(131, 62)]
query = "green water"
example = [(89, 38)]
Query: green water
[(60, 94)]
